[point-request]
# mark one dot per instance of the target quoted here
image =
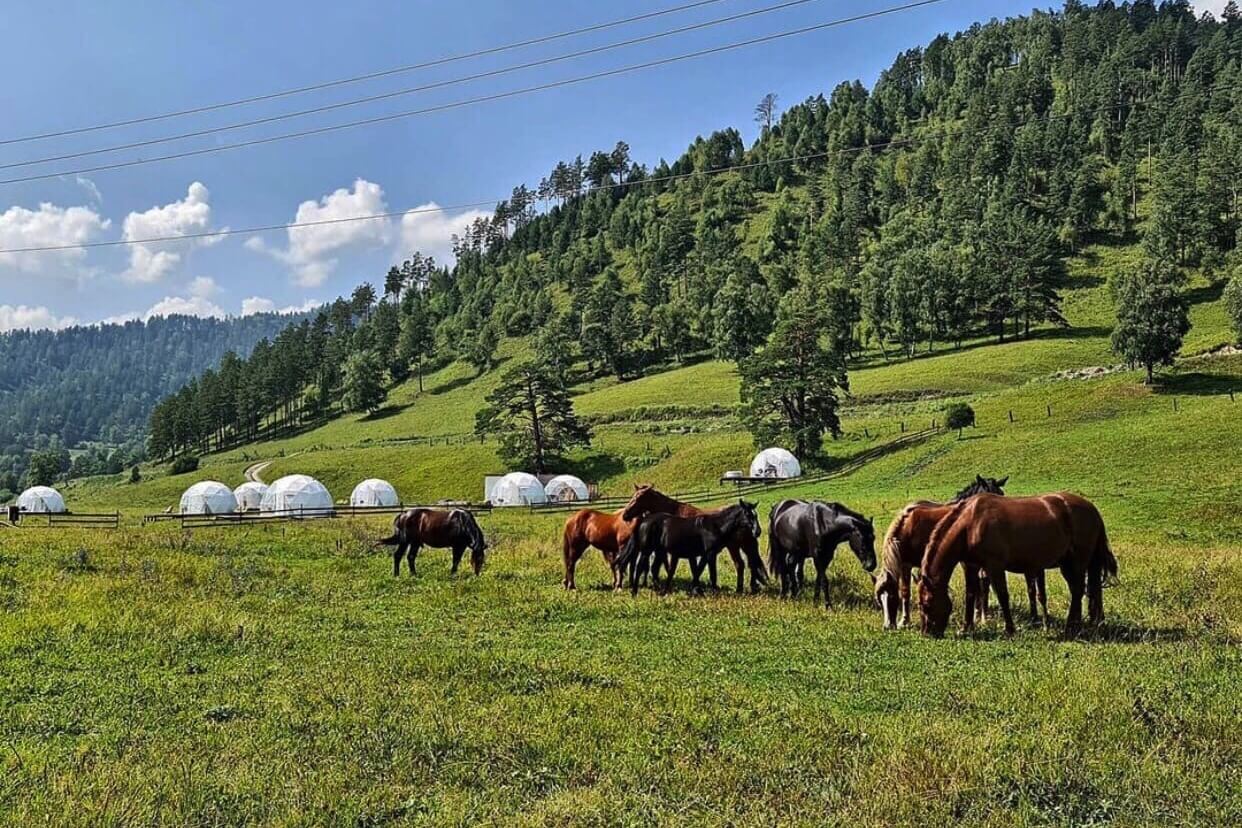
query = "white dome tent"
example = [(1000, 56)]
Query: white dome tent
[(42, 499), (208, 498), (298, 492), (775, 463), (250, 495), (374, 492), (518, 489), (565, 488)]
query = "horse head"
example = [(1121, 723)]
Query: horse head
[(750, 513), (646, 499), (862, 541), (983, 485), (935, 606), (478, 543)]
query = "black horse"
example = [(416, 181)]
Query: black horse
[(699, 539), (798, 529), (456, 530)]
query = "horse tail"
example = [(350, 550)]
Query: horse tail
[(397, 537), (1103, 556), (776, 556), (891, 558), (630, 550)]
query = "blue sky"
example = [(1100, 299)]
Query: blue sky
[(78, 63)]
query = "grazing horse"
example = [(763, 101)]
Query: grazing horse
[(669, 538), (903, 548), (606, 531), (1021, 534), (742, 543), (456, 529), (798, 530)]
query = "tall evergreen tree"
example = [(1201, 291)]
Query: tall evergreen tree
[(1152, 316), (533, 416)]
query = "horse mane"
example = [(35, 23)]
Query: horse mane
[(942, 528), (470, 525)]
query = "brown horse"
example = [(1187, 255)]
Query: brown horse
[(1022, 534), (903, 549), (606, 531), (739, 543), (456, 529)]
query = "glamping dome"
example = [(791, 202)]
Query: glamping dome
[(208, 498), (41, 499), (250, 496), (775, 463), (374, 492), (518, 489), (296, 491), (566, 488)]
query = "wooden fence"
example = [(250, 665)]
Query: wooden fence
[(69, 520), (253, 518)]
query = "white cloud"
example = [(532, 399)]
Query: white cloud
[(180, 305), (88, 185), (152, 262), (48, 226), (21, 317), (259, 304), (429, 230), (204, 287), (312, 251)]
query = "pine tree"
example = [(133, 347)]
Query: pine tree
[(789, 389), (1152, 316), (533, 415), (1233, 302)]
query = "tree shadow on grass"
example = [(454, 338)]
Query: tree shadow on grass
[(1198, 384), (1045, 333), (384, 413), (597, 467), (1205, 293)]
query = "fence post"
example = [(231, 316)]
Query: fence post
[(1049, 407), (1175, 404), (903, 426), (1011, 415)]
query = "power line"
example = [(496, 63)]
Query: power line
[(881, 145), (365, 77), (484, 98), (414, 89)]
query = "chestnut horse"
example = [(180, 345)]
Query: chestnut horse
[(606, 531), (905, 543), (740, 543), (456, 529), (1022, 534)]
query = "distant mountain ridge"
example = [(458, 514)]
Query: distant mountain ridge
[(100, 382)]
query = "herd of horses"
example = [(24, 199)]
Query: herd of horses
[(985, 532)]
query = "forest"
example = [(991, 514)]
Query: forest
[(95, 386), (933, 209)]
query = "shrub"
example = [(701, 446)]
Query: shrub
[(959, 416), (184, 464), (1233, 302)]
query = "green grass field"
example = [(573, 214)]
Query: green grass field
[(281, 675)]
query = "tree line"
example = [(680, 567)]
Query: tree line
[(935, 208)]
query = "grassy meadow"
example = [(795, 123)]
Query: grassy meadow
[(281, 675)]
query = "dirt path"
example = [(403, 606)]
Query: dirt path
[(252, 472)]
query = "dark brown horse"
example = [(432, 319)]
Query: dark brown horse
[(905, 542), (1021, 534), (669, 538), (606, 531), (741, 543), (456, 529)]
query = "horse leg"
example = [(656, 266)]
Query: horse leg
[(670, 564), (414, 547), (739, 566), (1032, 596), (982, 596), (1001, 585), (821, 578), (457, 553), (903, 591), (1095, 594), (696, 569), (573, 551), (1074, 578), (711, 569), (1041, 586), (397, 556), (975, 581)]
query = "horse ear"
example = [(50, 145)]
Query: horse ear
[(979, 478), (1003, 481)]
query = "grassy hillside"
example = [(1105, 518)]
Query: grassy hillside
[(280, 674)]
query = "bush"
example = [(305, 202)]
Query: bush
[(959, 416), (184, 464)]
